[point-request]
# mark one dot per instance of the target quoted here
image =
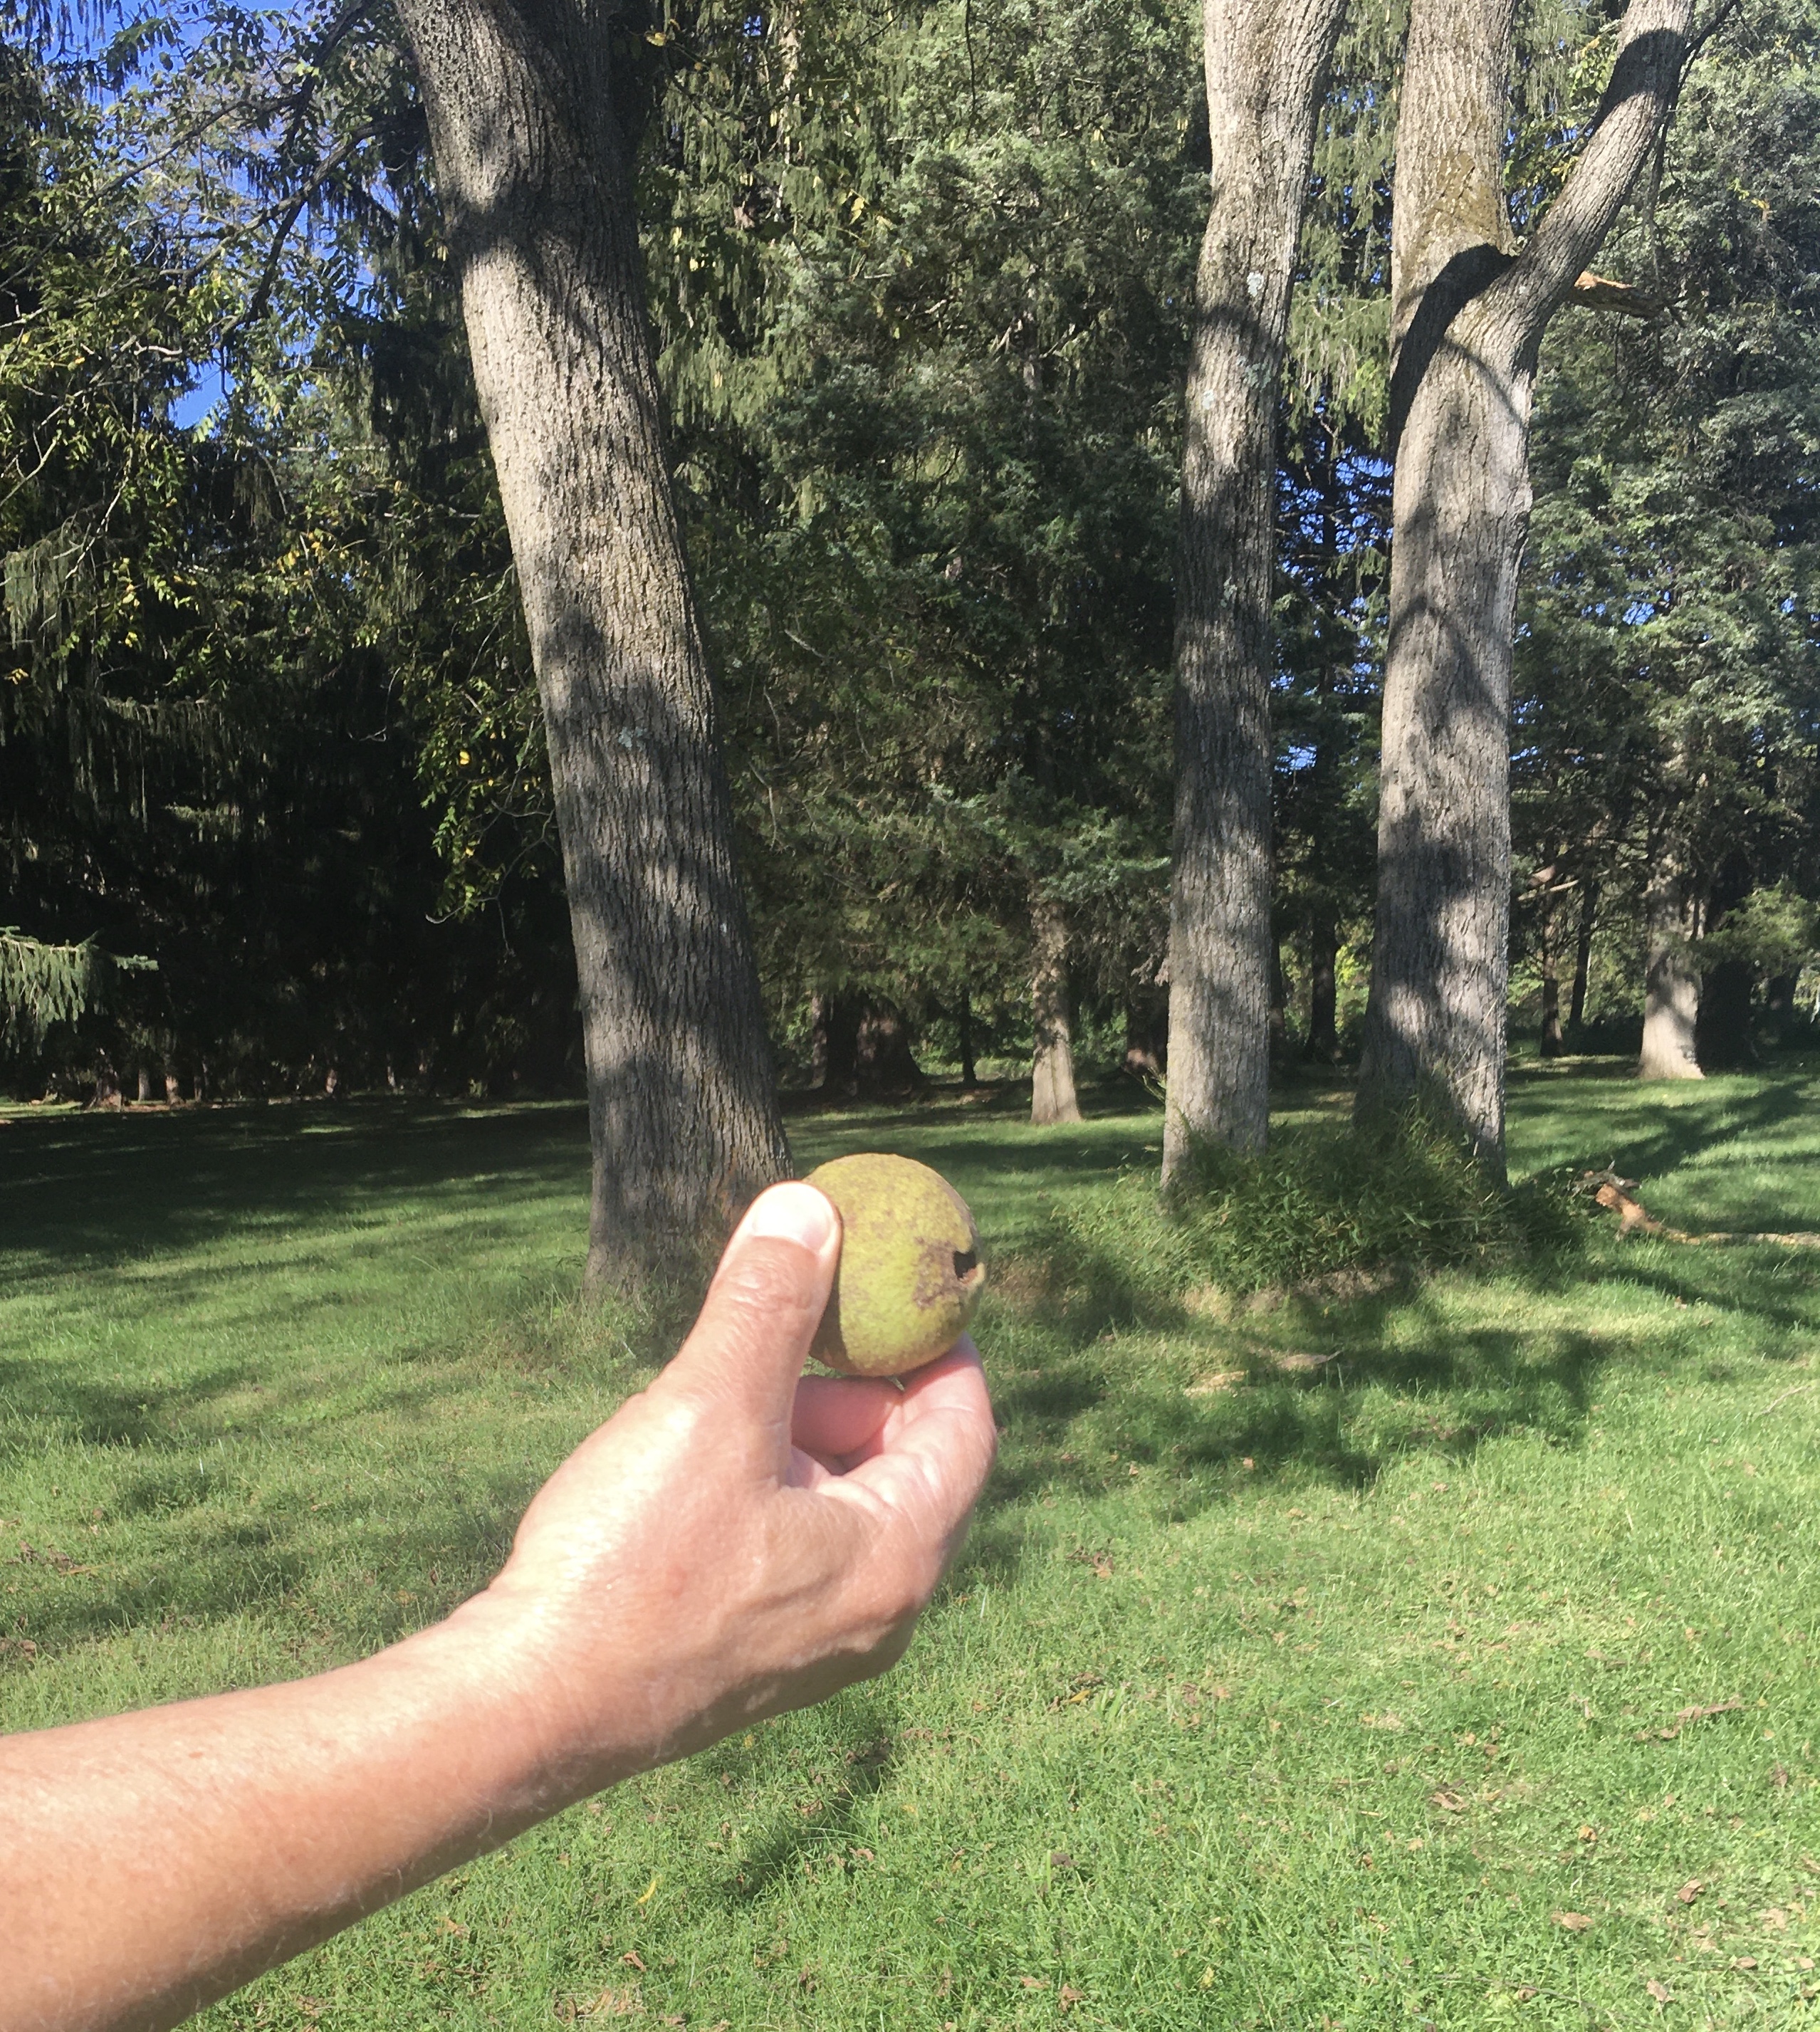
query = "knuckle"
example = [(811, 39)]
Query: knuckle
[(770, 1280)]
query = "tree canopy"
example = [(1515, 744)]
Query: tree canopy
[(920, 282)]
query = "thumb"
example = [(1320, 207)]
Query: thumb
[(746, 1349)]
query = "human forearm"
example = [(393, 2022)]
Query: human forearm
[(150, 1863), (731, 1543)]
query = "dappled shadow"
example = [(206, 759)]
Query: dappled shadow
[(1343, 1388), (1706, 1117), (99, 1188)]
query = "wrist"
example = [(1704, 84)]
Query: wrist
[(503, 1664)]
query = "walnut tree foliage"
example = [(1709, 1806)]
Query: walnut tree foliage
[(917, 274)]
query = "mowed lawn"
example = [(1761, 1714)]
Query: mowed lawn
[(1444, 1655)]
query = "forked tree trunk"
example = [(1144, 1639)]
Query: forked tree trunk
[(1467, 318), (1052, 1097), (1266, 63), (1671, 980), (534, 113)]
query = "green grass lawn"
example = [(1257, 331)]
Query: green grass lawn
[(1460, 1671)]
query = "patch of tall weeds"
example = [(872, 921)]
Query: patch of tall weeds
[(1404, 1191)]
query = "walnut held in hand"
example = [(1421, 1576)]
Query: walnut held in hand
[(910, 1274)]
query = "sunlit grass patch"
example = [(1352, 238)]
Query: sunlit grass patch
[(1467, 1606)]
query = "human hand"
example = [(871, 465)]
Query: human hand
[(736, 1542)]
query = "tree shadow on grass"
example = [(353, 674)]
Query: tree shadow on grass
[(78, 1193), (1649, 1141), (197, 1526), (1336, 1392)]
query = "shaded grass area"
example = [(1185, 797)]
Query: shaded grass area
[(1325, 1661)]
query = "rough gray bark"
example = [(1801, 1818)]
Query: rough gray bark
[(1266, 67), (534, 108), (1467, 319), (1052, 1097), (1670, 981)]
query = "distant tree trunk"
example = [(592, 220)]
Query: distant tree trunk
[(1279, 1003), (964, 1032), (1583, 953), (1323, 957), (1468, 316), (534, 113), (836, 1043), (1722, 1039), (1266, 68), (1147, 1032), (1552, 1045), (886, 1056), (1052, 1097), (818, 1008), (1670, 981), (145, 1088)]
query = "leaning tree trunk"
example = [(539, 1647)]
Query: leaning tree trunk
[(1266, 63), (1670, 981), (534, 111), (1052, 1097), (1467, 318)]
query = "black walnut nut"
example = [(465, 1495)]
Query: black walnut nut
[(910, 1274)]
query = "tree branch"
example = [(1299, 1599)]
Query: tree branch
[(287, 218), (1600, 293), (1645, 80)]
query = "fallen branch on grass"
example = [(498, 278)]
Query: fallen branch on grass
[(1613, 1194)]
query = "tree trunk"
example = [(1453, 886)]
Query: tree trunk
[(1323, 956), (1279, 1004), (1052, 1097), (1671, 982), (1266, 67), (1722, 1035), (534, 113), (1583, 953), (1147, 1032), (885, 1057), (836, 1045), (1552, 1044), (145, 1088), (1466, 321), (964, 1031)]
